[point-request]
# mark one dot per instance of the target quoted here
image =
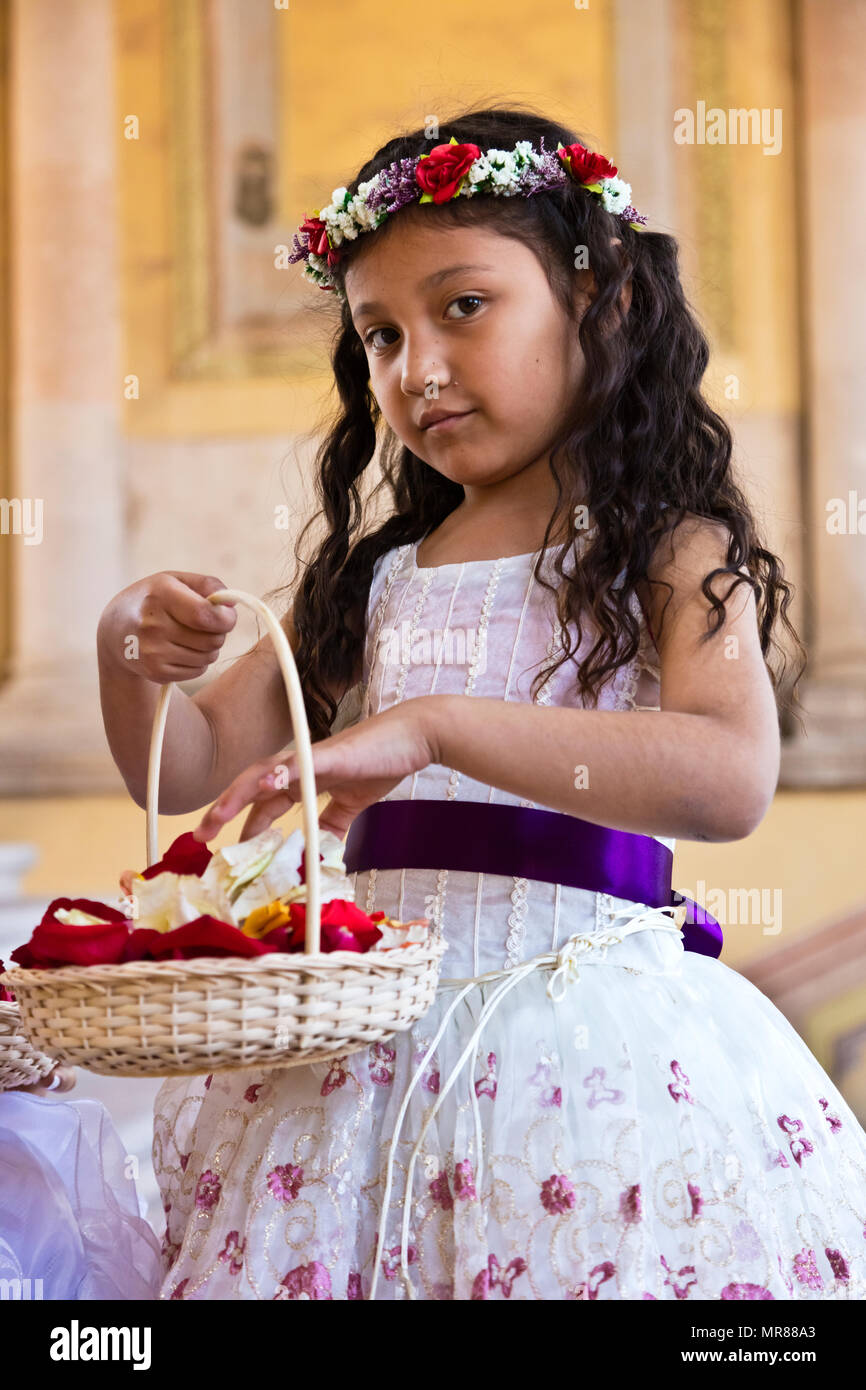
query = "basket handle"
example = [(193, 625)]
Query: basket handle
[(303, 748)]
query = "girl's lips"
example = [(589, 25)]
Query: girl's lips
[(449, 422)]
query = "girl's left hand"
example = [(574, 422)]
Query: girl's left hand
[(358, 766)]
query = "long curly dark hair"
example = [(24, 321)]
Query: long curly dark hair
[(642, 449)]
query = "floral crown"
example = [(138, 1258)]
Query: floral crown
[(447, 172)]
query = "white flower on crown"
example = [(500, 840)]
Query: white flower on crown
[(316, 269), (329, 216), (497, 170), (344, 223), (479, 170), (615, 194), (364, 217), (340, 224)]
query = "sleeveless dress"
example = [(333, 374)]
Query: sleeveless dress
[(652, 1129)]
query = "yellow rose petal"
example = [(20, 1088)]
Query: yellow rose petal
[(263, 919)]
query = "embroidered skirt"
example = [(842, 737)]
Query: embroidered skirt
[(650, 1128)]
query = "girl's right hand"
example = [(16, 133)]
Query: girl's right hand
[(164, 629)]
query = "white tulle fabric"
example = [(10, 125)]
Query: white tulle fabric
[(70, 1226), (629, 1121)]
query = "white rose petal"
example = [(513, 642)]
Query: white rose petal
[(405, 934), (171, 900), (75, 917)]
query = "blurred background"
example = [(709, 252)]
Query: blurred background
[(162, 367)]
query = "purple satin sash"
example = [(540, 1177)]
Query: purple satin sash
[(490, 838)]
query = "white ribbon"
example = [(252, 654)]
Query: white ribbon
[(580, 945)]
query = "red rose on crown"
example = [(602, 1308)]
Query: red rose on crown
[(585, 165), (317, 239), (441, 172)]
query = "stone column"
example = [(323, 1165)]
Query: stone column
[(644, 106), (66, 394), (831, 44)]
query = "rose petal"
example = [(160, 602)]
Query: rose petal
[(204, 937), (185, 855)]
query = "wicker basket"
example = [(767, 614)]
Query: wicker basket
[(173, 1018), (21, 1064)]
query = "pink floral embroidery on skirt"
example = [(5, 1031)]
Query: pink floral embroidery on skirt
[(207, 1192), (285, 1182)]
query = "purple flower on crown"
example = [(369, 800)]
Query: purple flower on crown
[(396, 186)]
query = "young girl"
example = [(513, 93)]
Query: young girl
[(595, 1106)]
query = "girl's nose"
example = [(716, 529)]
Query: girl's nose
[(425, 376)]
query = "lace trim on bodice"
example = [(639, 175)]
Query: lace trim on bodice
[(625, 684)]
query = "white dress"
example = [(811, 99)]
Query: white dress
[(658, 1130)]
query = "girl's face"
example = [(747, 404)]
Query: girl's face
[(471, 311)]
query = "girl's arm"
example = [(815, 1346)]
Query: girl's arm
[(210, 736), (703, 767)]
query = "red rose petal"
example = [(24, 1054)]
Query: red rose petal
[(185, 855), (56, 943), (206, 936), (344, 927)]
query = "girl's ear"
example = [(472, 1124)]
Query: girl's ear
[(584, 292), (586, 289)]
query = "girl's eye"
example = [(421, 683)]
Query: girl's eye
[(461, 299), (368, 338)]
